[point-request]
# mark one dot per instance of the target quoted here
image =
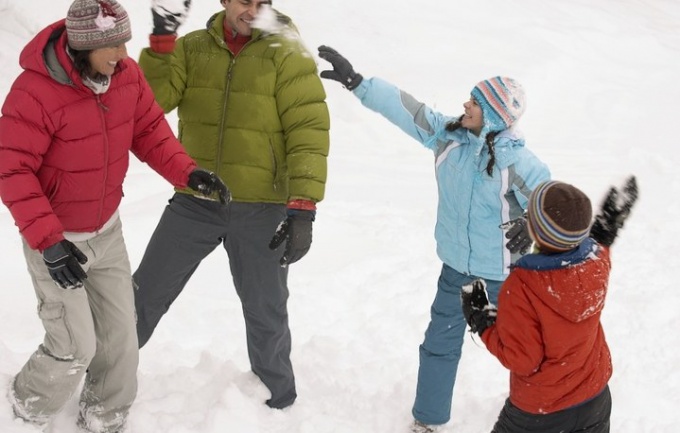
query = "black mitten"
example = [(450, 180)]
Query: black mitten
[(478, 312), (206, 182), (63, 261), (342, 69), (518, 233), (296, 230), (168, 15), (614, 212)]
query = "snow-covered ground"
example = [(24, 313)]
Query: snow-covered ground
[(603, 95)]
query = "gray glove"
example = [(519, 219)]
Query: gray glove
[(518, 233), (63, 261), (342, 69)]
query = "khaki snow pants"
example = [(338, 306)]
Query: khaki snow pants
[(89, 332)]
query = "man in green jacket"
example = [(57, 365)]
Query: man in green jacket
[(252, 109)]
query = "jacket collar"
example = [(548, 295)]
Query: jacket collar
[(544, 262)]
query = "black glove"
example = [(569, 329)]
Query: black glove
[(168, 15), (518, 233), (296, 230), (478, 312), (614, 212), (63, 261), (206, 182), (342, 69)]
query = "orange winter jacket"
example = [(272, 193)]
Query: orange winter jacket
[(548, 331)]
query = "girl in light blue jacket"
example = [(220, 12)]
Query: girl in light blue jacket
[(485, 175)]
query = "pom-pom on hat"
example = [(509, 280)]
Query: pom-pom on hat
[(559, 216), (93, 24), (502, 100)]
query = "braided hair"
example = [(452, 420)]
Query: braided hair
[(489, 141)]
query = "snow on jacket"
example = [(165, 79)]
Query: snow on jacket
[(64, 151), (472, 204), (258, 118), (548, 331)]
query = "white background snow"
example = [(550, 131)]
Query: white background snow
[(603, 96)]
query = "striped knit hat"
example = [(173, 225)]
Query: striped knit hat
[(93, 24), (502, 101), (559, 216)]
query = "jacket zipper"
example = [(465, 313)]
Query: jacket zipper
[(220, 142), (227, 87), (103, 109)]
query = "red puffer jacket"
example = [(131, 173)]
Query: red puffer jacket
[(548, 331), (64, 151)]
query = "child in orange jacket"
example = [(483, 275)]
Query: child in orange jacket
[(547, 328)]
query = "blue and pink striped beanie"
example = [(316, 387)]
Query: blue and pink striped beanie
[(502, 100), (559, 216)]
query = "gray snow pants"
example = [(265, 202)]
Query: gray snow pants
[(91, 328), (190, 229)]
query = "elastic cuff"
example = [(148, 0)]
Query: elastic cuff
[(301, 204), (162, 44)]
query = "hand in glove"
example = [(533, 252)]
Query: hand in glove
[(478, 312), (63, 261), (296, 230), (518, 233), (614, 212), (342, 69), (206, 182), (168, 15)]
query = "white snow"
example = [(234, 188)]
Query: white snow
[(601, 80)]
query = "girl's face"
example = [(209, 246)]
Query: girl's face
[(104, 60), (473, 119)]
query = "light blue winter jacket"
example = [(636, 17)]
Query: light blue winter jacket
[(471, 203)]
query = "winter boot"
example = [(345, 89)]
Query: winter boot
[(419, 427)]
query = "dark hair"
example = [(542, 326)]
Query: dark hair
[(81, 61), (453, 125)]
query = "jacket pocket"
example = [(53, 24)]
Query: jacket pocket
[(275, 164), (58, 337)]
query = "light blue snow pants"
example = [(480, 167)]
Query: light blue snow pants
[(441, 350)]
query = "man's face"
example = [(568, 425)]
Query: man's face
[(241, 14)]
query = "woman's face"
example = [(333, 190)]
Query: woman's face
[(104, 60), (473, 119)]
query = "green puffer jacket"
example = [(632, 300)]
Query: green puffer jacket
[(259, 119)]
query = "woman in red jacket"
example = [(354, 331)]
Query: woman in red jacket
[(67, 127), (547, 328)]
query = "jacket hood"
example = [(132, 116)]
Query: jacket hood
[(576, 286), (44, 54), (506, 139)]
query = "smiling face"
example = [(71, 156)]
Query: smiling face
[(473, 119), (104, 60), (240, 14)]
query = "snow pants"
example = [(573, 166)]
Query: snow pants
[(89, 332), (190, 229), (441, 350), (589, 417)]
